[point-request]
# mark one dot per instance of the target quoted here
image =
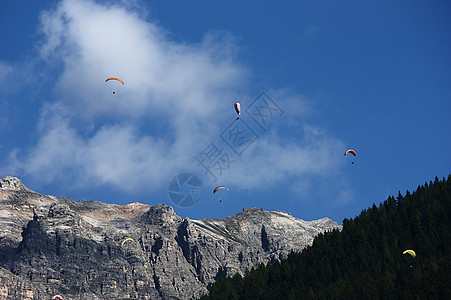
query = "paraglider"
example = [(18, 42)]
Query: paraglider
[(238, 109), (114, 78), (57, 297), (127, 239), (411, 252), (352, 152), (219, 188)]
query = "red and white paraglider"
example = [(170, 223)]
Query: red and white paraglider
[(238, 109)]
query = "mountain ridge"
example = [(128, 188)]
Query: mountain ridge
[(55, 245)]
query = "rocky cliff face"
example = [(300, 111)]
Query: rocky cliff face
[(51, 245)]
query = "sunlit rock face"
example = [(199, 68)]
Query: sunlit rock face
[(9, 183), (54, 245)]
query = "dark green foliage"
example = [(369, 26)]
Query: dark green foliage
[(365, 260)]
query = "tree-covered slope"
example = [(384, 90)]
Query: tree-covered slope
[(365, 260)]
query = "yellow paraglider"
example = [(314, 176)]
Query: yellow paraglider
[(219, 188), (411, 252), (128, 239)]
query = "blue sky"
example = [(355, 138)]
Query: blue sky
[(373, 76)]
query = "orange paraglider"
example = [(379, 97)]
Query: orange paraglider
[(114, 78)]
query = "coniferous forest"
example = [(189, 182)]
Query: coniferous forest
[(365, 259)]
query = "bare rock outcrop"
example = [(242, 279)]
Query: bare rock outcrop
[(54, 245)]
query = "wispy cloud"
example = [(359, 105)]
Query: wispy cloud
[(174, 89), (276, 157), (175, 98), (163, 78)]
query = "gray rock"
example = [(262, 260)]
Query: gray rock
[(10, 183), (51, 245)]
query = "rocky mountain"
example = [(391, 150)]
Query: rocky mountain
[(54, 245)]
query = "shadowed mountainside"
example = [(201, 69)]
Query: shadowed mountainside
[(54, 245)]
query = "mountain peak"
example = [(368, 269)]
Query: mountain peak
[(9, 183)]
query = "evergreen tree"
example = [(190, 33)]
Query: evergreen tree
[(364, 259)]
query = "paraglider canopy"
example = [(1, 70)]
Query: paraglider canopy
[(351, 151), (237, 109), (114, 78), (219, 188), (57, 297), (411, 252), (127, 239)]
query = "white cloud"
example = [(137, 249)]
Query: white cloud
[(114, 154), (153, 125), (275, 158), (95, 42), (175, 99)]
